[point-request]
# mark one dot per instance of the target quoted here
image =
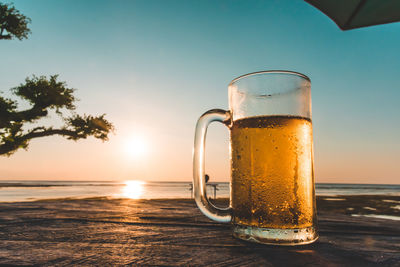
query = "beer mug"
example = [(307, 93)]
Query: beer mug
[(272, 196)]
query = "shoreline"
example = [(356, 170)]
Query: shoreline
[(14, 191)]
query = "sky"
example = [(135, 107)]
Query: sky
[(154, 66)]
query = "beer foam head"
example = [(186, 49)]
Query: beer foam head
[(270, 93)]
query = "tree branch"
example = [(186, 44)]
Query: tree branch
[(44, 95), (5, 37), (47, 132), (76, 127), (29, 115), (21, 141)]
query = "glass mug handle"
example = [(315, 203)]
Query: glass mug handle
[(199, 184)]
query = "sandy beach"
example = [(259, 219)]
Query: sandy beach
[(171, 232)]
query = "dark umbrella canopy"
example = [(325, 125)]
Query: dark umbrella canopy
[(351, 14)]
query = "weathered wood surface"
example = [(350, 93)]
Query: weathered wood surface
[(105, 232)]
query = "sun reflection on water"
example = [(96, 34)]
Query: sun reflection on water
[(133, 189)]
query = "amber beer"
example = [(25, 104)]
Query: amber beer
[(272, 172)]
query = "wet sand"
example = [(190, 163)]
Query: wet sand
[(173, 232)]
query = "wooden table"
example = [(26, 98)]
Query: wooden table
[(106, 232)]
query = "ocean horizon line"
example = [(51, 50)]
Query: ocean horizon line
[(162, 181)]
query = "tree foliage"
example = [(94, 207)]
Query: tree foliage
[(45, 94), (13, 24)]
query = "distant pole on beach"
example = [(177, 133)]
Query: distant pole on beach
[(206, 178), (191, 190), (214, 185)]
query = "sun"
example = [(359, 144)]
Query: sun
[(136, 147)]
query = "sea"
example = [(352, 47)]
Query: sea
[(16, 191)]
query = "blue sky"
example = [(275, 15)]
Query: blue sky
[(155, 66)]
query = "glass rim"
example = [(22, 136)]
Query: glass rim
[(270, 72)]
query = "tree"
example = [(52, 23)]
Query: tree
[(45, 94), (12, 23)]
